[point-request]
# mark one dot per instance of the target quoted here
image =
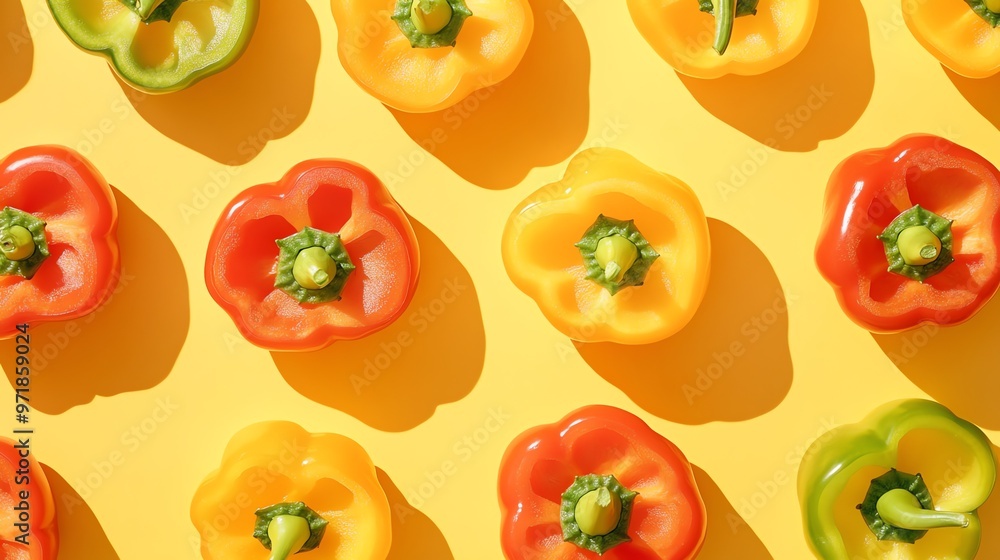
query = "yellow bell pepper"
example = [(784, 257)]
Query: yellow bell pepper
[(745, 37), (426, 55), (283, 489), (962, 35), (640, 270)]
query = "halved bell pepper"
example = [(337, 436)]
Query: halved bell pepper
[(614, 251), (903, 484), (961, 35), (159, 46), (58, 237), (426, 55), (28, 527), (324, 254), (910, 234), (712, 38), (600, 483), (284, 490)]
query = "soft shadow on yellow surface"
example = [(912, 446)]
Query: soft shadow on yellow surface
[(536, 117), (980, 93), (266, 94), (989, 515), (394, 379), (128, 344), (817, 96), (17, 51), (729, 536), (957, 366), (80, 534), (414, 535), (730, 363)]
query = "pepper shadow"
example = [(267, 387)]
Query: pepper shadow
[(130, 343), (414, 535), (819, 95), (536, 117), (17, 51), (393, 380), (81, 536), (957, 366), (989, 515), (729, 536), (980, 93), (265, 95), (730, 363)]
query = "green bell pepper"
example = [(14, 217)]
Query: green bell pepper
[(916, 472), (159, 46)]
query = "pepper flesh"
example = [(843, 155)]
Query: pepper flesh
[(668, 517), (541, 259), (200, 39), (62, 189), (43, 536), (959, 38), (869, 190), (332, 196), (685, 37), (330, 473), (912, 436), (380, 59)]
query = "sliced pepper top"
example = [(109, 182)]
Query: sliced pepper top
[(964, 36), (43, 533)]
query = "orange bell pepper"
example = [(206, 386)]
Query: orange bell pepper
[(962, 35), (283, 489), (641, 269), (745, 37), (426, 55), (28, 527)]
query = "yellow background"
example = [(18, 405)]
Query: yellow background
[(588, 79)]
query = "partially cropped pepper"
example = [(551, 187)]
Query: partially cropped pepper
[(28, 527), (281, 491), (964, 36), (58, 238), (427, 55), (159, 46), (910, 234), (600, 483), (903, 484), (712, 38), (324, 254), (614, 251)]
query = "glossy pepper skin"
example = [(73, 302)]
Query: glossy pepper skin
[(334, 196), (541, 255), (668, 518), (279, 462), (869, 190), (380, 58), (957, 35), (43, 537), (159, 46), (683, 36), (57, 186), (953, 456)]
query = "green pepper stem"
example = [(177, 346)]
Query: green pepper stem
[(17, 243), (900, 508), (430, 16), (993, 6), (314, 269), (725, 16), (598, 512), (288, 533), (145, 8)]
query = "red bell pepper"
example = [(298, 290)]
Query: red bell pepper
[(599, 484), (910, 234), (20, 474), (324, 254), (58, 237)]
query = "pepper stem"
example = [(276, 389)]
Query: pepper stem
[(902, 509), (145, 8), (598, 512), (430, 16), (17, 243), (616, 255), (595, 513), (314, 269), (918, 245), (288, 533), (725, 16), (993, 6)]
